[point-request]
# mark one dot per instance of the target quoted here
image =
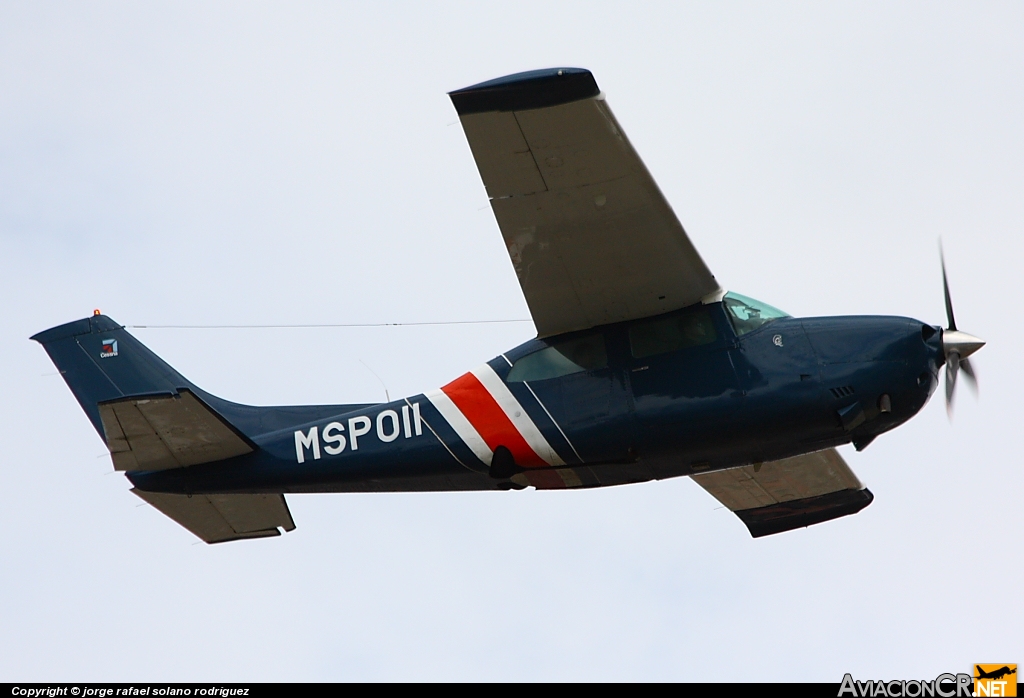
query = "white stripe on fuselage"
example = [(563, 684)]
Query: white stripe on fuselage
[(466, 431), (497, 389)]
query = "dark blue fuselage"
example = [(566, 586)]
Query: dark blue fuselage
[(788, 387)]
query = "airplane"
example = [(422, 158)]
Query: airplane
[(994, 674), (643, 367)]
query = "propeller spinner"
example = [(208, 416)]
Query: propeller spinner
[(956, 346)]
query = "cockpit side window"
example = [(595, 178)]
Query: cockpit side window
[(562, 358), (660, 336), (747, 314)]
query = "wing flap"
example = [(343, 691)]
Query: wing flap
[(219, 518), (167, 431), (790, 493)]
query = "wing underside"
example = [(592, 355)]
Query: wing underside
[(591, 237), (790, 493)]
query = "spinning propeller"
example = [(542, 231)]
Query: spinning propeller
[(956, 346)]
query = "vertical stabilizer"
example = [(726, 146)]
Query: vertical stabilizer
[(100, 362)]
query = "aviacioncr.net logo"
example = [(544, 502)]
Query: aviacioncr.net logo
[(943, 686), (995, 680)]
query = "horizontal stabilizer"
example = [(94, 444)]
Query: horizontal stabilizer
[(218, 518), (790, 493), (167, 431)]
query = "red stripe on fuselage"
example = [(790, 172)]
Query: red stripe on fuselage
[(487, 417)]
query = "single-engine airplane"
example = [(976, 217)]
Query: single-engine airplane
[(643, 367)]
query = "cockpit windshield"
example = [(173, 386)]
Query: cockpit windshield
[(747, 314)]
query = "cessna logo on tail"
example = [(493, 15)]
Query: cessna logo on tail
[(942, 686), (108, 349), (389, 426)]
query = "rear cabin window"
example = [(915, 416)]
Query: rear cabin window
[(747, 314), (672, 333), (561, 359)]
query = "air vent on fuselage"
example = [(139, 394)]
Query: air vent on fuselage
[(841, 391)]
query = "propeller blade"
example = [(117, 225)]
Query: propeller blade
[(945, 289), (952, 367), (972, 378), (956, 346)]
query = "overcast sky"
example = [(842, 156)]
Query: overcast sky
[(246, 163)]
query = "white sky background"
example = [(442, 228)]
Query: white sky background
[(254, 163)]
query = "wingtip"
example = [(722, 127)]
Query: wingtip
[(534, 89)]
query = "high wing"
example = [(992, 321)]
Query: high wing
[(790, 493), (591, 237)]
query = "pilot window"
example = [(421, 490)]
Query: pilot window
[(747, 314), (561, 359), (670, 334)]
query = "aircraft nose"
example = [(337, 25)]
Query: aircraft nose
[(955, 341)]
